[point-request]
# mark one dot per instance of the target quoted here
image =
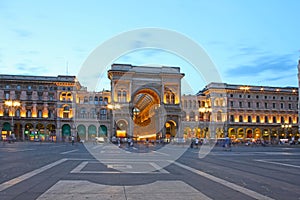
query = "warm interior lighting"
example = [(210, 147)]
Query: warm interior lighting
[(244, 88), (113, 106), (12, 103)]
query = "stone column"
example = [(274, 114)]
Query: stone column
[(23, 135)]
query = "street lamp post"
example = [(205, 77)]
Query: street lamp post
[(12, 104)]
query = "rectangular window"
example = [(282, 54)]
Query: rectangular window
[(249, 104), (7, 95), (241, 104), (274, 105), (257, 104), (231, 103), (266, 105), (231, 118), (290, 106)]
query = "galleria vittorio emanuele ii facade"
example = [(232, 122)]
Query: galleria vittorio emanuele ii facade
[(144, 103)]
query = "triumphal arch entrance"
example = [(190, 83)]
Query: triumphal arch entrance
[(145, 102)]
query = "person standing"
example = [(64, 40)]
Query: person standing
[(73, 139), (196, 142)]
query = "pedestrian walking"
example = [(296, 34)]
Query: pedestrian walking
[(73, 139), (196, 142)]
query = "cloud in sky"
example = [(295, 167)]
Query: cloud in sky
[(267, 69), (22, 33)]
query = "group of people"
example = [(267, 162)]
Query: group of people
[(194, 142)]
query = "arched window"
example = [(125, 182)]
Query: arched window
[(93, 113), (257, 119), (219, 116), (290, 120), (17, 114), (50, 114), (40, 114), (96, 100), (103, 114), (274, 119), (249, 119), (69, 96), (192, 116), (266, 119), (172, 99), (105, 100), (85, 100), (168, 98), (82, 113), (28, 113), (240, 118), (282, 120)]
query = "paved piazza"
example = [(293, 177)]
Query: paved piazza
[(63, 171)]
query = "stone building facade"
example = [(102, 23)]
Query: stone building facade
[(144, 102), (45, 106), (242, 112)]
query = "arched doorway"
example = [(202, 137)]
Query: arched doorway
[(240, 133), (220, 133), (92, 132), (144, 109), (266, 134), (187, 132), (102, 131), (40, 134), (170, 129), (121, 129), (81, 132), (249, 133), (51, 133), (257, 133), (29, 132), (66, 131), (232, 133), (6, 130)]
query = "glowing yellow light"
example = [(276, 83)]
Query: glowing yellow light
[(244, 88)]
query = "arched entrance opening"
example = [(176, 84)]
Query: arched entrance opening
[(266, 134), (170, 127), (40, 132), (18, 130), (257, 133), (6, 130), (81, 132), (240, 133), (274, 135), (232, 133), (144, 109), (66, 131), (249, 133), (187, 132), (92, 132), (102, 131), (51, 133), (121, 129), (29, 132), (220, 133)]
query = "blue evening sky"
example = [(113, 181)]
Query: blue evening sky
[(251, 42)]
